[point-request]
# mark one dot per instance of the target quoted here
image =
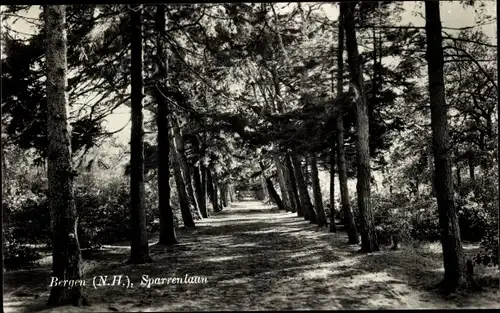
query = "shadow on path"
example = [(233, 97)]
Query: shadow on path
[(253, 259)]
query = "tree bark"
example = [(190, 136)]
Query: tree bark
[(289, 187), (274, 195), (186, 172), (453, 255), (184, 202), (306, 172), (221, 196), (264, 188), (318, 199), (230, 190), (309, 213), (430, 163), (293, 184), (223, 192), (210, 190), (368, 236), (204, 191), (348, 221), (139, 247), (215, 196), (199, 190), (459, 176), (66, 254), (167, 229), (281, 182), (333, 228)]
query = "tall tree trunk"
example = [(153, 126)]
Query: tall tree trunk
[(139, 247), (459, 176), (221, 196), (430, 164), (204, 191), (167, 229), (186, 172), (211, 190), (348, 220), (333, 228), (66, 254), (309, 213), (4, 168), (453, 255), (293, 184), (368, 236), (184, 203), (230, 191), (289, 187), (199, 190), (318, 199), (306, 172), (223, 193), (215, 196), (281, 182)]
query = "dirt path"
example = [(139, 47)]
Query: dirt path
[(253, 259)]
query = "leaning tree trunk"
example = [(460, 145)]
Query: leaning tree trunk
[(186, 172), (66, 255), (167, 229), (139, 247), (293, 184), (453, 255), (281, 183), (184, 203), (349, 221), (274, 195), (333, 228), (198, 188), (318, 199), (368, 235), (309, 213)]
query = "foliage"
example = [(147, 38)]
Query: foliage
[(245, 83), (102, 205), (19, 255)]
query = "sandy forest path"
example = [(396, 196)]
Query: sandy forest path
[(254, 258)]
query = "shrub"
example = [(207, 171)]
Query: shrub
[(399, 215), (102, 206), (104, 212), (425, 220), (473, 219), (19, 255)]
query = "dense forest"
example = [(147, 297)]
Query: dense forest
[(296, 155)]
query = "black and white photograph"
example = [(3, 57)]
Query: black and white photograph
[(249, 156)]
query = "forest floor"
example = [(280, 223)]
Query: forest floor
[(256, 258)]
